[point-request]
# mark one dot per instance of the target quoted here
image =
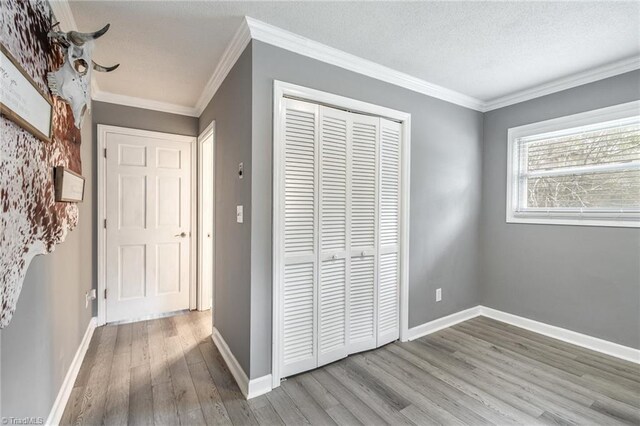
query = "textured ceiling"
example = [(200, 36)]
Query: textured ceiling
[(168, 50)]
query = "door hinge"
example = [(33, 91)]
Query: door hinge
[(105, 224), (105, 153), (105, 293)]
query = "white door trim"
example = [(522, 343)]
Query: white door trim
[(209, 131), (281, 90), (102, 131)]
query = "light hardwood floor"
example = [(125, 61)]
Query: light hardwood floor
[(168, 372)]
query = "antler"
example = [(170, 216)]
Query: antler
[(101, 68), (79, 38)]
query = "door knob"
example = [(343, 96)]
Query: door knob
[(208, 235), (181, 235)]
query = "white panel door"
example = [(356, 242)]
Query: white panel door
[(333, 297), (389, 233), (148, 199), (299, 272), (363, 245)]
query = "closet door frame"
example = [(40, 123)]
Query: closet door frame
[(282, 91)]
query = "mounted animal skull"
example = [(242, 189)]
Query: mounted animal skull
[(72, 81)]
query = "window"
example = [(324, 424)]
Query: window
[(582, 169)]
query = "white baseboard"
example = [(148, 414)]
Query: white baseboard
[(55, 415), (249, 388), (579, 339), (575, 338), (256, 387), (259, 386), (442, 323)]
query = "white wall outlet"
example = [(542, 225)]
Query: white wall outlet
[(239, 214), (438, 294)]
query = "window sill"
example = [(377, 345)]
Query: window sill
[(573, 220)]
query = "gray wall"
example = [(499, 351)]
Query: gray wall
[(144, 119), (548, 273), (231, 109), (582, 278), (50, 319), (446, 149)]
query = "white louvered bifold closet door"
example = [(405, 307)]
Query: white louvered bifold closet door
[(333, 295), (339, 274), (299, 349), (389, 237), (364, 208)]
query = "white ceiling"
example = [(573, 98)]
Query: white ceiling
[(487, 50)]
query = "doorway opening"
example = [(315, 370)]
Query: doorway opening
[(206, 217), (148, 229)]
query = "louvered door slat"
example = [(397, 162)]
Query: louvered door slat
[(363, 182), (332, 306), (299, 348), (363, 247), (389, 266), (333, 294), (361, 318)]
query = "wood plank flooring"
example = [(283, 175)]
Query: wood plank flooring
[(168, 372)]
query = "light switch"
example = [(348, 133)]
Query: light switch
[(239, 214)]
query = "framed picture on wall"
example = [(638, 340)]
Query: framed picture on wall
[(69, 186), (21, 101)]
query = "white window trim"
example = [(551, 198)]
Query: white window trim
[(559, 217)]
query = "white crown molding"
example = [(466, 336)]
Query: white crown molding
[(64, 15), (251, 28), (589, 76), (114, 98), (232, 53), (298, 44)]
